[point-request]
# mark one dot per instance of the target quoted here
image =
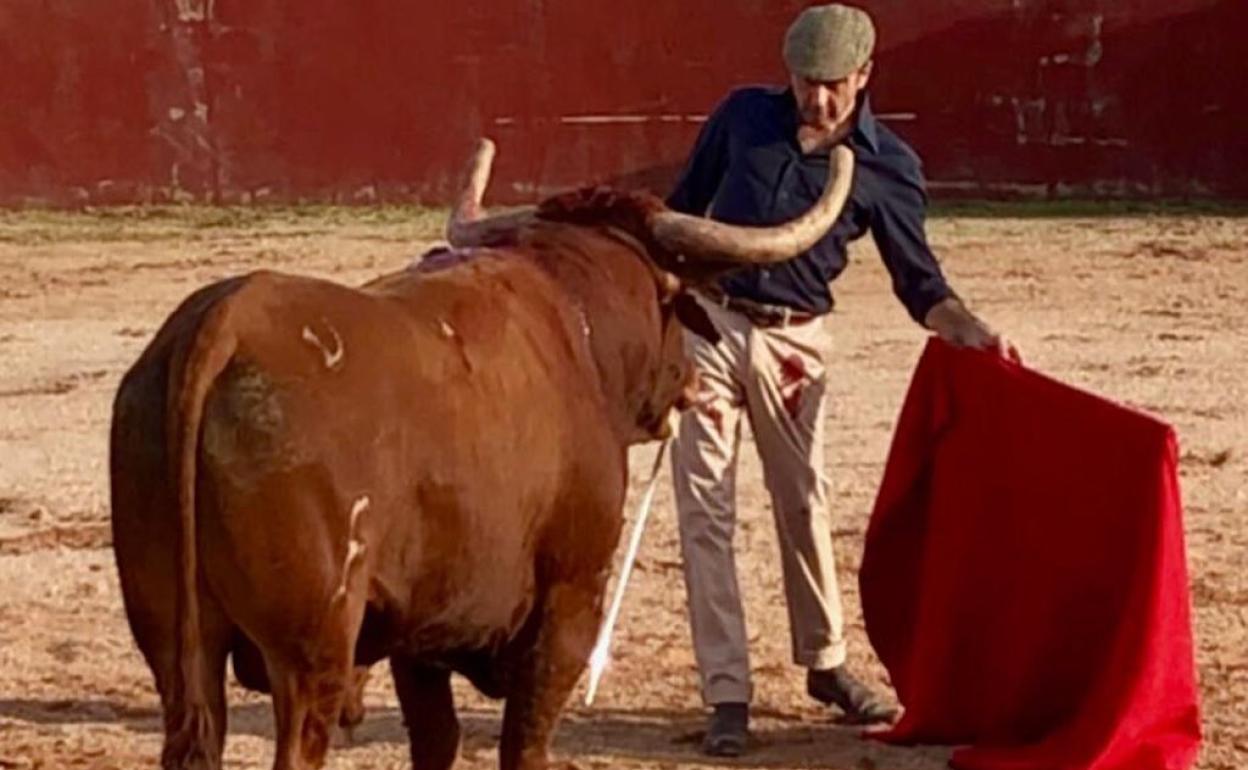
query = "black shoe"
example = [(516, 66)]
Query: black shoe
[(838, 686), (727, 730)]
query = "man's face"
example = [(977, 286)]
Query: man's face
[(827, 104)]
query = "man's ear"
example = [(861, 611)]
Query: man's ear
[(694, 318), (864, 73)]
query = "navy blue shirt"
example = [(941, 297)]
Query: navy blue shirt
[(748, 168)]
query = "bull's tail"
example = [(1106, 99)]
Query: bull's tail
[(191, 736)]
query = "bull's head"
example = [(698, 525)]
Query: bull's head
[(683, 250)]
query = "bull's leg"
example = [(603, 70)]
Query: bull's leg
[(307, 700), (250, 671), (311, 682), (149, 577), (191, 744), (546, 675), (353, 707), (290, 710), (428, 712)]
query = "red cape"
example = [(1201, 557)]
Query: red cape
[(1024, 579)]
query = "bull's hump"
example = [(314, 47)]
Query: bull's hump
[(445, 258)]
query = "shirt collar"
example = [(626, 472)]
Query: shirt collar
[(866, 127)]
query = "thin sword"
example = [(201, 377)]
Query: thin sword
[(602, 649)]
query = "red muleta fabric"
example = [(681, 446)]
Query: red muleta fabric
[(1024, 579)]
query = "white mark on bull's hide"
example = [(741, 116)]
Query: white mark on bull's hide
[(447, 330), (355, 547), (333, 357), (359, 507), (584, 322)]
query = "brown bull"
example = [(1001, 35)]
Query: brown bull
[(429, 468)]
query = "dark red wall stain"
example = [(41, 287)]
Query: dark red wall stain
[(246, 100)]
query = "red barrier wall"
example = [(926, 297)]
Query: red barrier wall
[(243, 100)]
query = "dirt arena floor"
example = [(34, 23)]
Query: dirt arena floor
[(1146, 310)]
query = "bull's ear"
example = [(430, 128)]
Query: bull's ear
[(694, 317)]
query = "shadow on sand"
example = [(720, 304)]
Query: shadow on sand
[(654, 735)]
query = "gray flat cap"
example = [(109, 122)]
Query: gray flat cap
[(827, 42)]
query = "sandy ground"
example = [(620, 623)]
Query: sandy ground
[(1147, 310)]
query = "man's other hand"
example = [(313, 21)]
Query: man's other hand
[(958, 326)]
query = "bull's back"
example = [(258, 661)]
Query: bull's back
[(442, 377)]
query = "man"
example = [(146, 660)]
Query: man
[(763, 158)]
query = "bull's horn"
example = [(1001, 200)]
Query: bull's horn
[(699, 238), (468, 224)]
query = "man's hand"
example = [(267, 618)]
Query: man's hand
[(958, 326)]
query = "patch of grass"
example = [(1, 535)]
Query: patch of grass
[(197, 222)]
